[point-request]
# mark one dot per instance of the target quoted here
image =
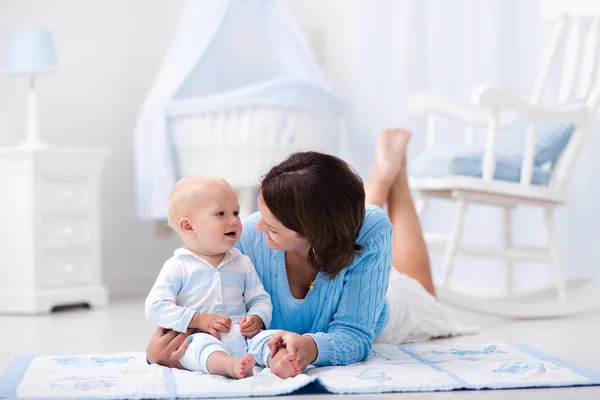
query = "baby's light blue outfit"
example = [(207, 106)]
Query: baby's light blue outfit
[(188, 284)]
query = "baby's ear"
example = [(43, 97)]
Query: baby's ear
[(186, 226)]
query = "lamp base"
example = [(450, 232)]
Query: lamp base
[(32, 136)]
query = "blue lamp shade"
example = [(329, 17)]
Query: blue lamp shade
[(29, 52)]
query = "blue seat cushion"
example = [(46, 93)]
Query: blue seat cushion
[(552, 138), (436, 163)]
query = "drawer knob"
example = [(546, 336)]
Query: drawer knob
[(68, 268)]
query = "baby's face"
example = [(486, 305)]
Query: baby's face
[(216, 222)]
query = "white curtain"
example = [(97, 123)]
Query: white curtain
[(447, 48)]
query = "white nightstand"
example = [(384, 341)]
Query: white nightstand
[(50, 228)]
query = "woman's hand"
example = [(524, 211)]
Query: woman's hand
[(303, 346), (166, 347)]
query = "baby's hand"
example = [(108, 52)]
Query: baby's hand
[(250, 326), (211, 323)]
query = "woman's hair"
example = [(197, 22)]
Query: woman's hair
[(321, 198)]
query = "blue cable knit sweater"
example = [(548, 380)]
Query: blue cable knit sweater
[(343, 315)]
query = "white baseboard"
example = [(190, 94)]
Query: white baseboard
[(44, 300)]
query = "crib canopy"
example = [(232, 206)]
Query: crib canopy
[(224, 54)]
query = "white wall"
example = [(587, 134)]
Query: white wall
[(108, 51)]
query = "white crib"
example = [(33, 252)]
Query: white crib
[(241, 144)]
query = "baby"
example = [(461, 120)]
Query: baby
[(208, 285)]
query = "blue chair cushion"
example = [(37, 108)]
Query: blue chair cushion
[(552, 138), (436, 163)]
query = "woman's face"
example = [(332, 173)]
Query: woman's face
[(278, 236)]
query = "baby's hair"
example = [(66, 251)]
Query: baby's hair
[(186, 194)]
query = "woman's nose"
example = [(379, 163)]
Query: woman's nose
[(260, 225)]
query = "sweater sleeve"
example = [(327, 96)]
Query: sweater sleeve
[(161, 308), (350, 334)]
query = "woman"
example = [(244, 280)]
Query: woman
[(326, 260)]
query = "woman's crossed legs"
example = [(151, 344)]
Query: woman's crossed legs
[(388, 183)]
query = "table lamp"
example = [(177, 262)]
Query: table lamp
[(29, 53)]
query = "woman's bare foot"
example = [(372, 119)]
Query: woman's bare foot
[(287, 367), (243, 367), (390, 157)]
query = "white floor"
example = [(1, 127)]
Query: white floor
[(123, 327)]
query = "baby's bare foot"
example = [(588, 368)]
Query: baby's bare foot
[(390, 157), (287, 367), (243, 367)]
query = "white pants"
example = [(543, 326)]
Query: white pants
[(414, 314), (203, 345)]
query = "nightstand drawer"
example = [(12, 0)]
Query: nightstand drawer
[(65, 194), (57, 271), (57, 231)]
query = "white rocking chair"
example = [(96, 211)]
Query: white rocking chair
[(576, 29)]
